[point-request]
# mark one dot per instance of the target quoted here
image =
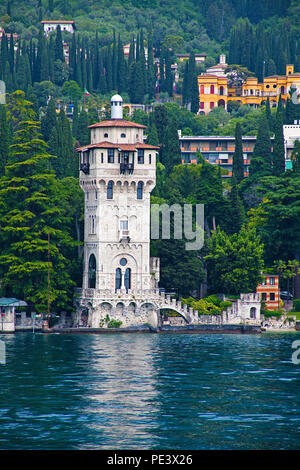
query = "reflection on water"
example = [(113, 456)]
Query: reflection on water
[(144, 391)]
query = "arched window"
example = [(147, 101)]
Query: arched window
[(139, 192), (221, 90), (109, 192), (106, 134), (118, 278), (127, 279), (123, 135), (212, 89), (92, 272)]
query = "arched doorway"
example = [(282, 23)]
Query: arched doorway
[(221, 103), (92, 272), (84, 317), (253, 313)]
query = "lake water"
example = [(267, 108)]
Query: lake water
[(149, 391)]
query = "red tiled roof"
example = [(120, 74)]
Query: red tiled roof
[(125, 147), (57, 21), (117, 123)]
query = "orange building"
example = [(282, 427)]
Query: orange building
[(269, 291), (214, 90)]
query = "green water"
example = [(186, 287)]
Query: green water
[(149, 391)]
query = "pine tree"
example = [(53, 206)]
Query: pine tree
[(238, 159), (29, 211), (4, 139)]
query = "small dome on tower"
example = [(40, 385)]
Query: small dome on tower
[(116, 98), (116, 107)]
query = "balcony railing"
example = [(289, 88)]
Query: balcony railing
[(85, 167), (126, 167), (124, 235)]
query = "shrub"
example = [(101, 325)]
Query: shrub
[(213, 299), (296, 305), (114, 324), (224, 304), (272, 313)]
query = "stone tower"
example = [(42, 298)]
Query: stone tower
[(117, 175)]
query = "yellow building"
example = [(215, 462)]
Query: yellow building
[(214, 91)]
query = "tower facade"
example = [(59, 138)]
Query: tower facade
[(117, 175)]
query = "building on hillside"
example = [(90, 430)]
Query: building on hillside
[(51, 25), (66, 52), (8, 35), (215, 92), (217, 150), (219, 69), (291, 133), (269, 291), (199, 58)]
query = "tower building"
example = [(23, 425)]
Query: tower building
[(117, 175), (120, 280)]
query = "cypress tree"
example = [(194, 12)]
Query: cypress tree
[(238, 159), (236, 208), (278, 148), (269, 115), (261, 160), (49, 120), (171, 154), (152, 137), (114, 63), (108, 68), (121, 72), (75, 119), (82, 128), (150, 70), (11, 54), (8, 79), (194, 91)]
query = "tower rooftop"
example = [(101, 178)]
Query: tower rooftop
[(117, 123)]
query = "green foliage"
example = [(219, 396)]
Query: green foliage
[(114, 323), (296, 305), (272, 313), (234, 262)]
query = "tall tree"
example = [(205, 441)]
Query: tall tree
[(278, 149), (4, 139), (238, 159), (29, 213), (261, 162)]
